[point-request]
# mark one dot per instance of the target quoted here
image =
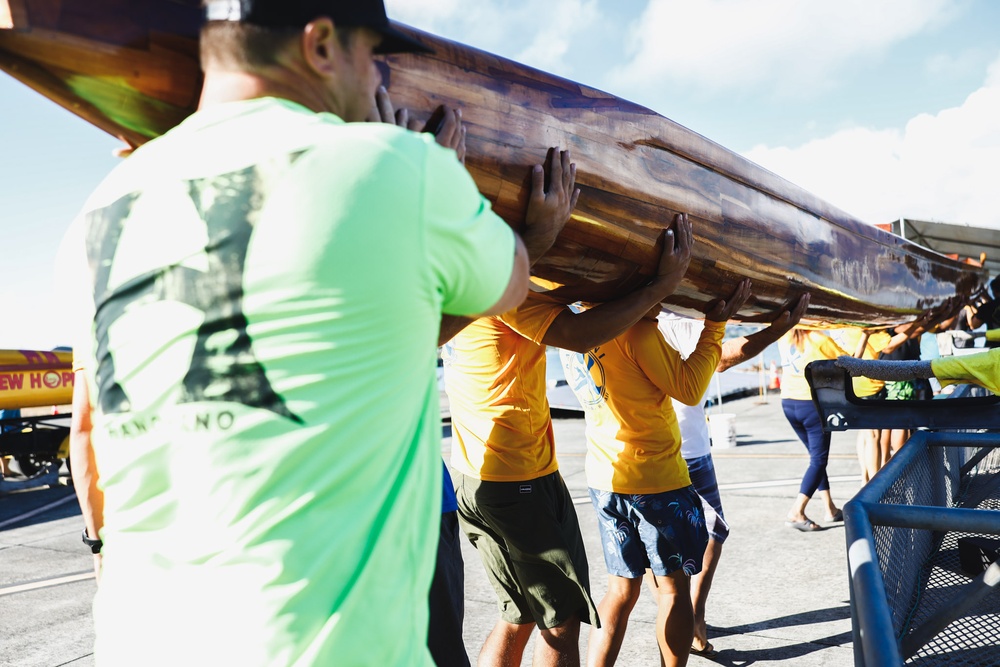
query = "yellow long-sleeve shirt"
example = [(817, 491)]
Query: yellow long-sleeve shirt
[(625, 386)]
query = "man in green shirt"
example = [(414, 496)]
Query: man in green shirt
[(259, 295)]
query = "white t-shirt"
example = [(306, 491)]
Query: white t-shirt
[(682, 334)]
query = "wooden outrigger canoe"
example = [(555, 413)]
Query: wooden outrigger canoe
[(130, 67)]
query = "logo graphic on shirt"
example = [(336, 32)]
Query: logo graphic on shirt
[(447, 354), (791, 357), (223, 366), (585, 376)]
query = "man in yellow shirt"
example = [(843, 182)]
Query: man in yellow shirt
[(649, 515), (512, 502)]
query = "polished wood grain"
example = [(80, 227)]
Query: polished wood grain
[(130, 67)]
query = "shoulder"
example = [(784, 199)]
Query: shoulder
[(879, 340), (379, 139), (644, 338), (534, 316)]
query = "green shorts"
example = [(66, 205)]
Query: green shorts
[(528, 538)]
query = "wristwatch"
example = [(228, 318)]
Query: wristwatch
[(95, 545)]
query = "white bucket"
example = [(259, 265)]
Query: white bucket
[(722, 429)]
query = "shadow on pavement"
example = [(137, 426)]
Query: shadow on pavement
[(31, 507), (805, 618), (771, 441), (738, 658)]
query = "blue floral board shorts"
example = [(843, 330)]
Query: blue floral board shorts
[(664, 532)]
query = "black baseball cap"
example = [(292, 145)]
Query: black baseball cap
[(297, 13)]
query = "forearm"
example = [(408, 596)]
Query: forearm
[(889, 371), (744, 348), (451, 325), (537, 241), (83, 462), (912, 330), (85, 479), (586, 330), (859, 351), (83, 466)]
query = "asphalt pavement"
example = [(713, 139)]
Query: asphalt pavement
[(780, 596)]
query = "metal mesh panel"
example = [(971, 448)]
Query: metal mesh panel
[(921, 569), (952, 458), (902, 551), (973, 639), (988, 466)]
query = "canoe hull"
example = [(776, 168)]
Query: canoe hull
[(136, 75), (637, 169)]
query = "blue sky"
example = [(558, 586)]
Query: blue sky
[(886, 109)]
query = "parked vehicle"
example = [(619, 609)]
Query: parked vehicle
[(36, 390)]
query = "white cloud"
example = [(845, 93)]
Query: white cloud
[(550, 44), (949, 65), (939, 167), (537, 34), (788, 46), (423, 13), (993, 74)]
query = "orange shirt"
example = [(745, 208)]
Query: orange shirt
[(625, 387), (495, 379)]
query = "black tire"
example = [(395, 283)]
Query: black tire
[(32, 464)]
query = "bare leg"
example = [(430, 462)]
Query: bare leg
[(884, 449), (863, 457), (701, 584), (831, 508), (559, 646), (614, 610), (505, 645), (653, 588), (899, 438), (674, 618), (872, 458), (798, 511)]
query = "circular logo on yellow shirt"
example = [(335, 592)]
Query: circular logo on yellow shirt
[(585, 376)]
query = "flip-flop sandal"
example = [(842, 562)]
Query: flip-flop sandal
[(806, 526), (839, 516), (708, 651)]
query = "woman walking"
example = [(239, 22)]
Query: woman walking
[(799, 347)]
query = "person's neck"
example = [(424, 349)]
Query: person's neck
[(221, 87)]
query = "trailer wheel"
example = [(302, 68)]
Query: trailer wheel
[(32, 464)]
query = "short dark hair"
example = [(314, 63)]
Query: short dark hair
[(249, 47)]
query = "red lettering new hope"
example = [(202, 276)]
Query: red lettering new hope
[(10, 382)]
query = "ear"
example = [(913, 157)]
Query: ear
[(320, 46)]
